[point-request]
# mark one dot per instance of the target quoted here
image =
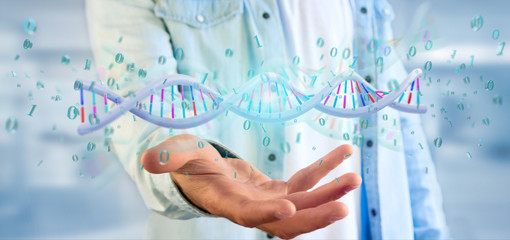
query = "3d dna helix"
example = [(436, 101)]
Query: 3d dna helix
[(185, 103)]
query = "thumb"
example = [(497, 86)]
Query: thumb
[(176, 151)]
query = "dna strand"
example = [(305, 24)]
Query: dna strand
[(268, 97)]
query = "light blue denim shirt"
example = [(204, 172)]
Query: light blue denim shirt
[(401, 198)]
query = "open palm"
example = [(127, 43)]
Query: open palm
[(234, 189)]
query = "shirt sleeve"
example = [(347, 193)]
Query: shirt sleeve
[(426, 198), (425, 192), (130, 28)]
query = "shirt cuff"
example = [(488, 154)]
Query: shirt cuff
[(185, 204)]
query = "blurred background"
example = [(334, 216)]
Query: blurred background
[(44, 193)]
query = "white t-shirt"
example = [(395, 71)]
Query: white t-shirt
[(304, 22)]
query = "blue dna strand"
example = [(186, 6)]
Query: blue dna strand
[(179, 101)]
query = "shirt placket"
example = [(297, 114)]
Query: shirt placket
[(364, 10), (269, 44)]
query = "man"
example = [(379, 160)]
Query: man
[(224, 43)]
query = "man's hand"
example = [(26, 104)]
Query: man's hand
[(234, 189)]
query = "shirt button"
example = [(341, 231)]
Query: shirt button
[(368, 79), (271, 157), (370, 143), (200, 18), (387, 11), (363, 10), (374, 213), (265, 15)]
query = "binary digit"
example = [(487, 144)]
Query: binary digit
[(164, 160), (178, 54), (476, 23), (229, 53), (486, 121), (412, 51), (65, 60), (428, 45), (295, 60), (11, 125), (110, 82), (333, 52), (285, 147), (501, 47), (119, 58), (438, 142), (32, 110), (258, 42), (322, 122), (27, 44), (88, 62), (266, 141), (162, 60), (91, 146), (29, 26), (320, 42), (72, 112), (387, 51), (489, 86), (247, 125), (346, 136), (77, 85), (142, 73), (346, 53), (428, 65), (495, 34)]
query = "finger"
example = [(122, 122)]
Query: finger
[(307, 177), (174, 152), (257, 212), (326, 193), (307, 220), (233, 201)]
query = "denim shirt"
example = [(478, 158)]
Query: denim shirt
[(401, 198)]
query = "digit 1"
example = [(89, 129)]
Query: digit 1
[(502, 45), (426, 35), (258, 43), (314, 78), (31, 111), (472, 59), (382, 62), (356, 58), (205, 78)]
